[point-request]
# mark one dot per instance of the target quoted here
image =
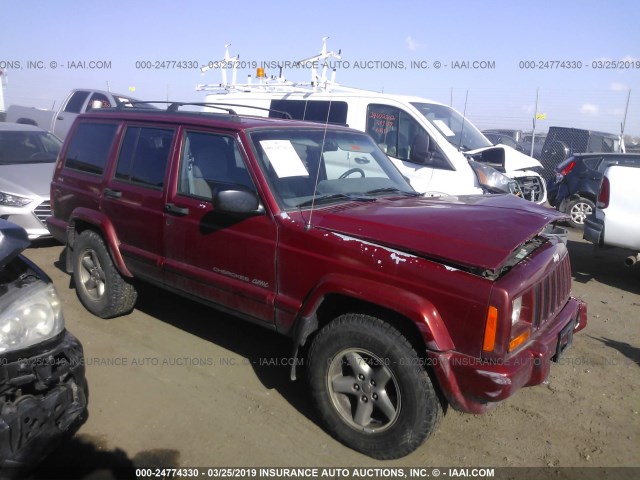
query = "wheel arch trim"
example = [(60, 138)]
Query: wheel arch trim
[(104, 226)]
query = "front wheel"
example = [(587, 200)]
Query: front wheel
[(99, 285), (371, 388)]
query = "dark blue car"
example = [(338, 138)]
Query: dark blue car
[(574, 187)]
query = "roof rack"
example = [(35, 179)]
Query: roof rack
[(175, 106), (319, 82)]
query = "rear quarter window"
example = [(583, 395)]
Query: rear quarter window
[(89, 148)]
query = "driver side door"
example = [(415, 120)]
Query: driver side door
[(225, 259)]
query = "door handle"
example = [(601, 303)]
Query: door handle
[(171, 208), (108, 192)]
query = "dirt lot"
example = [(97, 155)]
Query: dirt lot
[(176, 384)]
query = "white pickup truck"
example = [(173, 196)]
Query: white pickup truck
[(59, 122), (616, 219)]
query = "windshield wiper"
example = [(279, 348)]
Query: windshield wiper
[(334, 196), (392, 190)]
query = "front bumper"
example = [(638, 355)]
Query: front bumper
[(474, 385), (43, 397), (32, 218)]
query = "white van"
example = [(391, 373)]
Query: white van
[(397, 123)]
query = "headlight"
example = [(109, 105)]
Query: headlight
[(33, 314), (10, 200), (516, 308)]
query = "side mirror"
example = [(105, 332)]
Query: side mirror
[(420, 150), (237, 202)]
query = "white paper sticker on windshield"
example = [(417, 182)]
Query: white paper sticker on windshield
[(284, 158), (444, 128)]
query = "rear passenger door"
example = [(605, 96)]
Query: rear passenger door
[(133, 197), (225, 259)]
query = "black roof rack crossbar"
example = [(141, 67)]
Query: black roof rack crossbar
[(174, 106)]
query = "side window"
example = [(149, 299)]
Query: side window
[(382, 125), (209, 160), (89, 148), (396, 132), (99, 97), (74, 104), (312, 110), (144, 155)]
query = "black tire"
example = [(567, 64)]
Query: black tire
[(99, 285), (370, 387), (579, 209)]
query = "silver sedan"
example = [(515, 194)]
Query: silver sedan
[(27, 160)]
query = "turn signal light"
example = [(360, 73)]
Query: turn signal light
[(519, 340), (490, 330)]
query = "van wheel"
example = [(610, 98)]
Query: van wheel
[(578, 210), (99, 285), (370, 387)]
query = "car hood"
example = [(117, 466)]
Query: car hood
[(513, 159), (476, 231), (27, 179)]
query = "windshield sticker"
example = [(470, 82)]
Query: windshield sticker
[(444, 128), (284, 158)]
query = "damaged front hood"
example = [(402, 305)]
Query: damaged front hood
[(476, 231), (513, 159)]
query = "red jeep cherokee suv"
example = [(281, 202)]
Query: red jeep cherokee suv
[(400, 304)]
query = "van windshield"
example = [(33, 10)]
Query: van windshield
[(459, 131)]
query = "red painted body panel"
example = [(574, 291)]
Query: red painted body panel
[(417, 257)]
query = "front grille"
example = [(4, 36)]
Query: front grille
[(532, 188), (43, 211), (552, 293)]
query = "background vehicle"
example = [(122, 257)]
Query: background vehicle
[(394, 122), (615, 221), (562, 142), (43, 391), (498, 137), (396, 300), (58, 122), (27, 159), (517, 139), (575, 187)]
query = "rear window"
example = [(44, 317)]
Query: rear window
[(90, 146)]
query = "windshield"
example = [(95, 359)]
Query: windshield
[(28, 147), (335, 165), (459, 131)]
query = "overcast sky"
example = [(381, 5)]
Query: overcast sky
[(517, 47)]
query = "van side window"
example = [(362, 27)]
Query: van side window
[(312, 110), (209, 160), (395, 131), (90, 146), (144, 155)]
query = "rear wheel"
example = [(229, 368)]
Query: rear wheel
[(579, 209), (371, 388), (99, 285)]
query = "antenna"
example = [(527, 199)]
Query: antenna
[(464, 118), (315, 185), (626, 109)]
